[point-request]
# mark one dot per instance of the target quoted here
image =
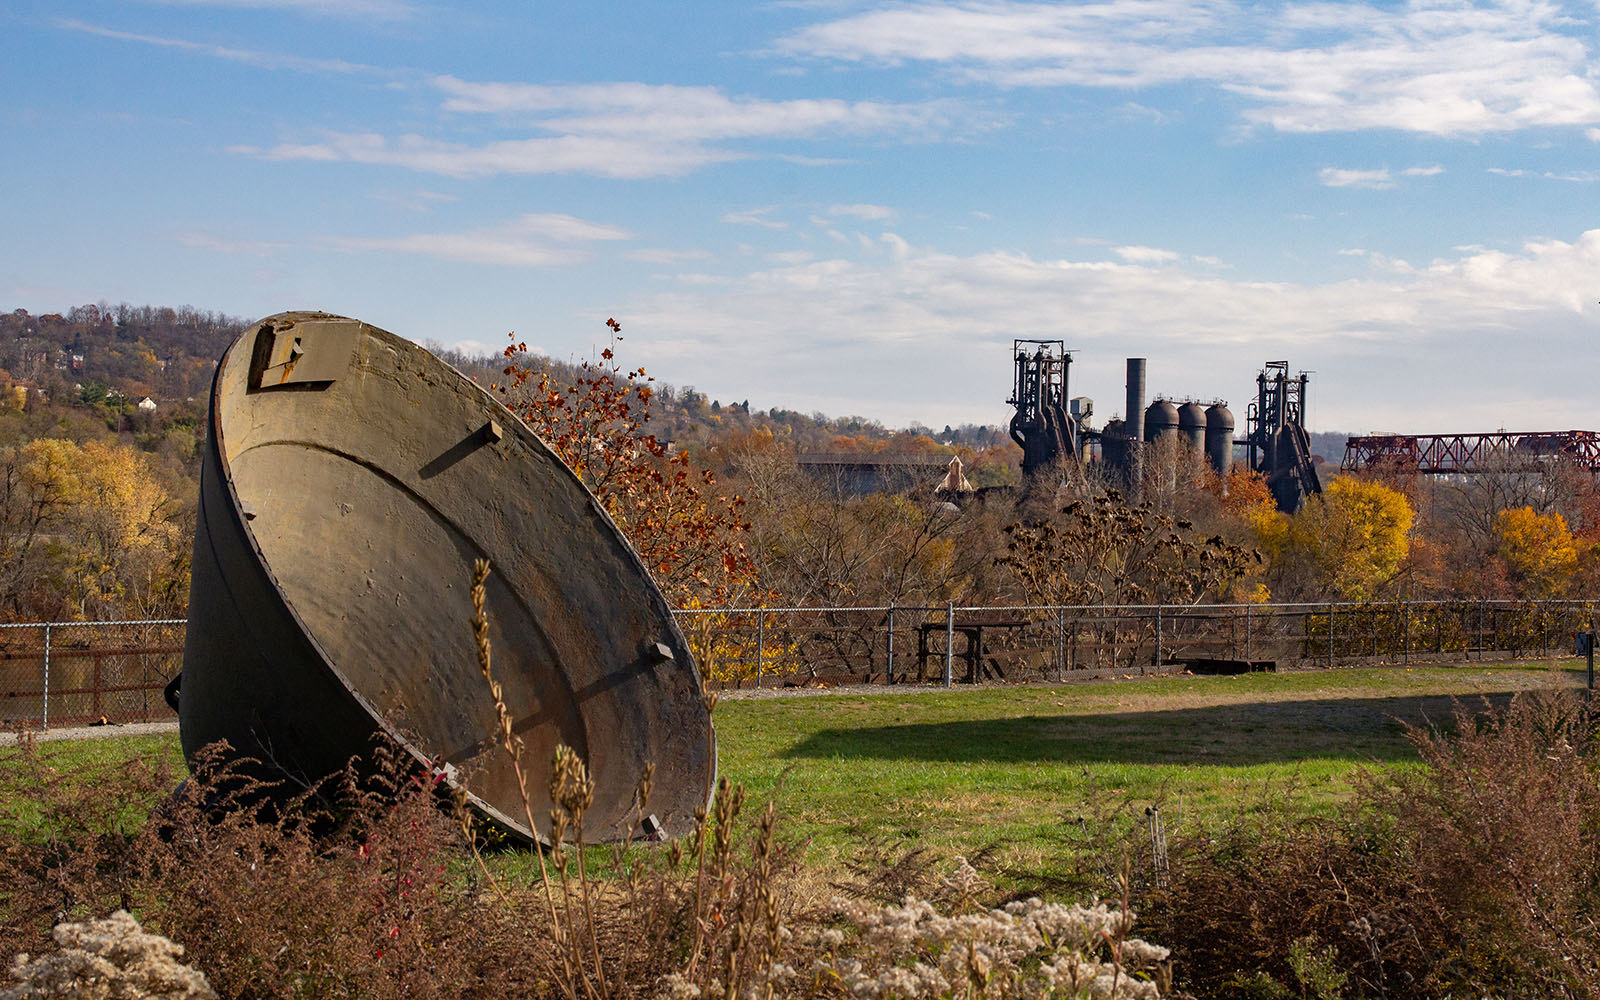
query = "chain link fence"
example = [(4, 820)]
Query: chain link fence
[(954, 644), (72, 673)]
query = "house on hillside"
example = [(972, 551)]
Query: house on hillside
[(146, 404)]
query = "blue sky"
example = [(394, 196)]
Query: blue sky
[(849, 207)]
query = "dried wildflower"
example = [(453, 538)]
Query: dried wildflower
[(1026, 949), (108, 958)]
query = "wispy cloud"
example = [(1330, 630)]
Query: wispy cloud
[(865, 212), (682, 114), (602, 156), (1437, 68), (249, 57), (385, 10), (535, 240), (1145, 255), (662, 255), (623, 130), (1337, 177), (1573, 177), (755, 217), (1431, 170)]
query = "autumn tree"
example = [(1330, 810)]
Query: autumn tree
[(89, 531), (689, 535), (1350, 541), (1539, 551)]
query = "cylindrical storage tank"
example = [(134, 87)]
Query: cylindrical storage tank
[(1191, 434), (1192, 425), (1219, 437), (1160, 420), (350, 480)]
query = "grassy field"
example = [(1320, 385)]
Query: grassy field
[(1018, 770)]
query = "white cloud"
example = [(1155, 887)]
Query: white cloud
[(821, 334), (665, 256), (867, 212), (604, 156), (623, 130), (1575, 177), (1431, 170), (1339, 178), (1145, 255), (1440, 68), (755, 217), (534, 240), (1593, 134), (687, 114), (249, 57)]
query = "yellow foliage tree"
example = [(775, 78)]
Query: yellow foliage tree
[(1539, 550), (1351, 540), (104, 528)]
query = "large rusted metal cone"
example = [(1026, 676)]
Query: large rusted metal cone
[(350, 481)]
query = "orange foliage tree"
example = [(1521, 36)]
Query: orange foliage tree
[(687, 533), (690, 535)]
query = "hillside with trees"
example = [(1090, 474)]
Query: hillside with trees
[(102, 411)]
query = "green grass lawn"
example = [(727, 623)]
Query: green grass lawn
[(1017, 769)]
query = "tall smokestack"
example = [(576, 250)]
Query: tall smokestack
[(1134, 414), (1134, 424)]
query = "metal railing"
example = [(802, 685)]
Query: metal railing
[(67, 673)]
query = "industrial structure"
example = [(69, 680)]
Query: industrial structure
[(1176, 440), (1279, 448), (350, 480), (1468, 454), (852, 474), (1042, 427)]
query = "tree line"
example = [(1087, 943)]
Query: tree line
[(97, 499)]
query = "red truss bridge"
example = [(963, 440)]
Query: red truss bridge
[(1445, 454)]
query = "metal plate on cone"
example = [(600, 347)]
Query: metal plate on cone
[(350, 480)]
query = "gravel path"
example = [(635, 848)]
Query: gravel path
[(95, 732)]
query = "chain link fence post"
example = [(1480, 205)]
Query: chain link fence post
[(44, 697), (949, 642), (888, 674), (1330, 635), (1061, 646), (761, 644)]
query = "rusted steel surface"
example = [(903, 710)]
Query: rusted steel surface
[(1443, 454), (350, 480)]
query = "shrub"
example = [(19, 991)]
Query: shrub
[(1477, 874)]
